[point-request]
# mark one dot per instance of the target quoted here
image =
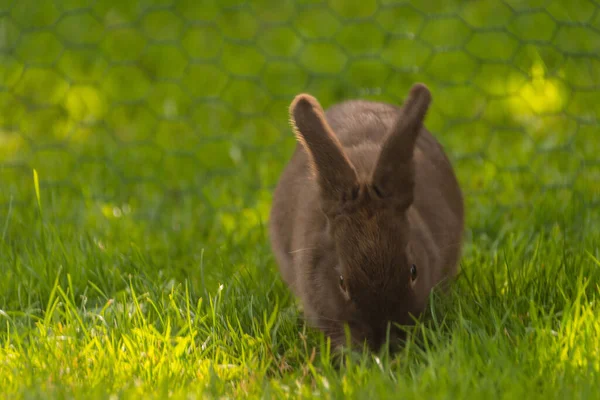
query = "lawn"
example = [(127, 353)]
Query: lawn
[(140, 142)]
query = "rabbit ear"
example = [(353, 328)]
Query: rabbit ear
[(393, 176), (335, 174)]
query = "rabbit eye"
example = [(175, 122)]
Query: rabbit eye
[(413, 272), (342, 284), (344, 289)]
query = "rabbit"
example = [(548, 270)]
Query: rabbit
[(367, 217)]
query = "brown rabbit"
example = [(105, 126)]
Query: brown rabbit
[(368, 216)]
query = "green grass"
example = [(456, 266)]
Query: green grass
[(132, 310), (137, 262)]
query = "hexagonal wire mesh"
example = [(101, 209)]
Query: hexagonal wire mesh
[(174, 110)]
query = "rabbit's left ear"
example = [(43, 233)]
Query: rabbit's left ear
[(335, 173), (393, 177)]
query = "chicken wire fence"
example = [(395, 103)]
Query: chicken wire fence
[(176, 111)]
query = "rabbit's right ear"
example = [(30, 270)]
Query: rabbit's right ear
[(335, 174)]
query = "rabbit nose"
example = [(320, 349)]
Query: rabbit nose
[(382, 336), (377, 339), (372, 338), (376, 342)]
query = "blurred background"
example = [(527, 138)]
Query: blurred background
[(168, 118)]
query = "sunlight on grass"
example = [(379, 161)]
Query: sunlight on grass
[(121, 342), (579, 334), (157, 340), (543, 95), (85, 104)]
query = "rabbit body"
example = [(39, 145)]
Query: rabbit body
[(367, 217)]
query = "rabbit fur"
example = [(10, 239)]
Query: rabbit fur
[(367, 217)]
